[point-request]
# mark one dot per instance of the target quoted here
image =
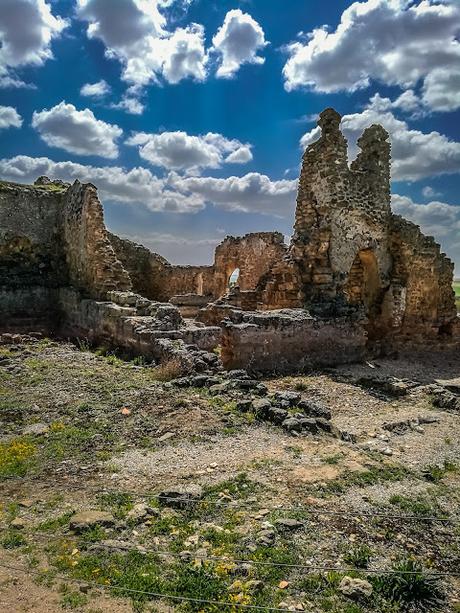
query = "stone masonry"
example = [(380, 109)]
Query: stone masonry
[(355, 277)]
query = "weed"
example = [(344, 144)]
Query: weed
[(332, 459), (371, 476), (73, 600), (419, 591), (83, 344), (359, 556), (417, 505), (435, 472), (301, 386), (13, 539), (118, 503), (139, 360), (295, 450), (16, 458), (240, 486), (167, 371), (53, 524)]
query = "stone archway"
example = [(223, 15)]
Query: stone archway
[(364, 287), (233, 278)]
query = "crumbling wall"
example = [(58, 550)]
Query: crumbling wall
[(181, 280), (289, 341), (341, 210), (32, 262), (134, 323), (146, 269), (91, 261), (152, 276), (427, 303), (253, 255)]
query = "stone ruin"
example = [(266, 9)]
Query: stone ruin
[(355, 280)]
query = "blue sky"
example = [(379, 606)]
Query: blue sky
[(190, 115)]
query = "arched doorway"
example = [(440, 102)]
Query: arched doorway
[(233, 278), (364, 287)]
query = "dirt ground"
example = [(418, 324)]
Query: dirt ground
[(83, 430)]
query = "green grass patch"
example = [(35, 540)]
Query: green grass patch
[(436, 472), (55, 523), (371, 476), (456, 287), (118, 503), (359, 556), (12, 539), (416, 505)]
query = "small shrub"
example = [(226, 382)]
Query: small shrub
[(139, 360), (167, 371), (435, 472), (419, 591), (13, 539), (359, 556), (301, 386), (16, 458)]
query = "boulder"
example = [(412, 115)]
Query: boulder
[(277, 415), (314, 409), (180, 497), (261, 407), (89, 519), (291, 398), (292, 424), (355, 588)]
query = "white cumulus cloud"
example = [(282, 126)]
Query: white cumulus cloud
[(396, 42), (137, 186), (79, 132), (252, 193), (238, 42), (185, 152), (415, 154), (9, 118), (135, 33), (27, 28), (95, 90)]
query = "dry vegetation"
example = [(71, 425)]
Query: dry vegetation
[(84, 430)]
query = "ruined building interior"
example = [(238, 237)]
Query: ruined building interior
[(355, 277)]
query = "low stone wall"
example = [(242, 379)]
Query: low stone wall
[(287, 341), (154, 330)]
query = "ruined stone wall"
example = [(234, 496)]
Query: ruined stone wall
[(341, 210), (154, 277), (91, 261), (289, 341), (146, 269), (32, 262), (422, 285), (181, 280), (253, 254)]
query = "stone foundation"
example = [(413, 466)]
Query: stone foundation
[(288, 341)]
